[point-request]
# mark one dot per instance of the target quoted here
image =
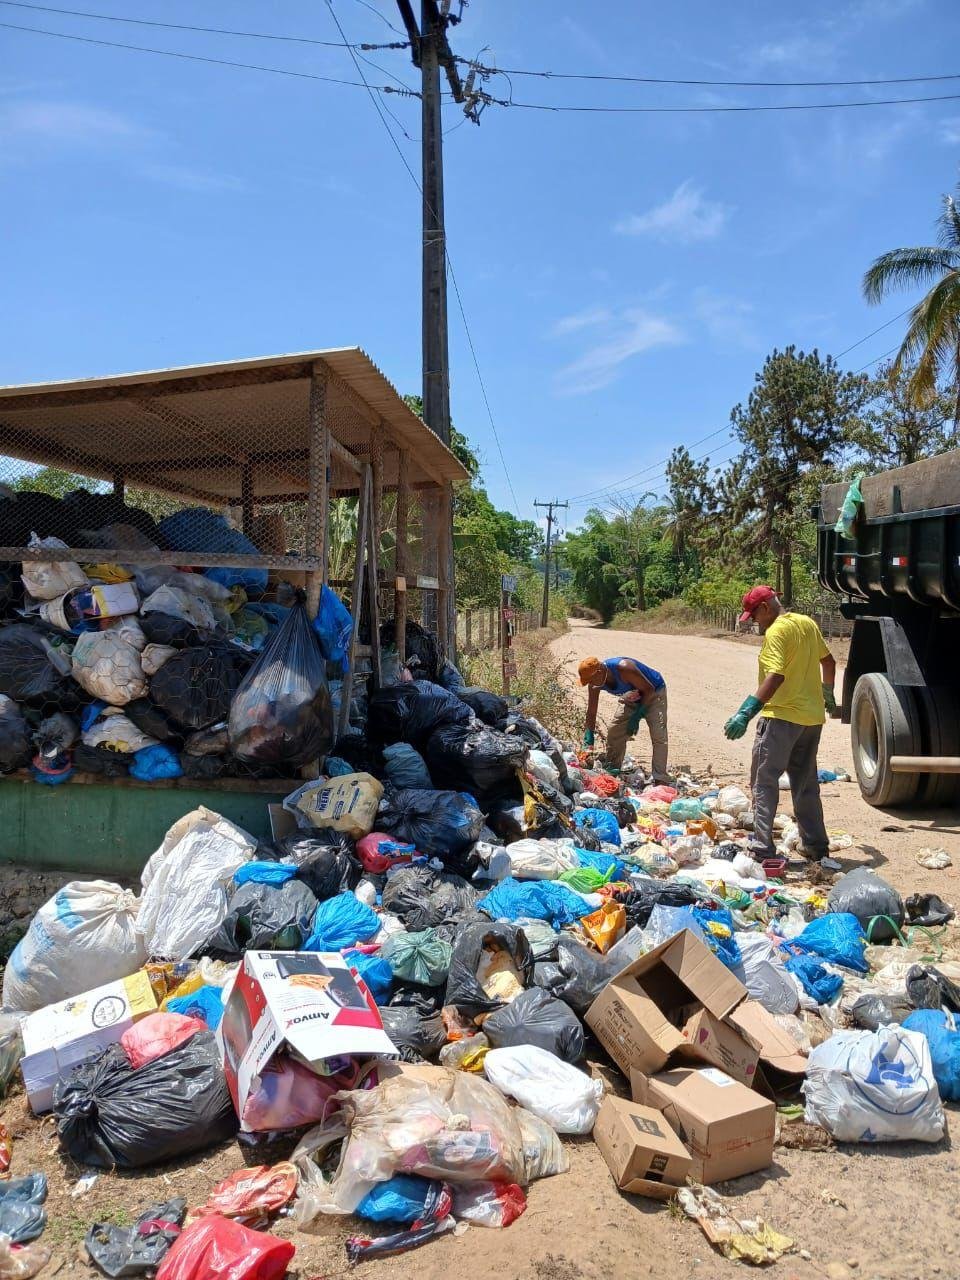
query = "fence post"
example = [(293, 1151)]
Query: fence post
[(468, 631)]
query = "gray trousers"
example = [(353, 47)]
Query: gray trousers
[(782, 747), (626, 723)]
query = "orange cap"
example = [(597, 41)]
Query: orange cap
[(589, 669)]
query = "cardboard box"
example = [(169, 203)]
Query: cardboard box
[(637, 1016), (722, 1045), (642, 1151), (776, 1048), (308, 1001), (57, 1038), (727, 1128)]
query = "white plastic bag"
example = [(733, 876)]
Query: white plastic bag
[(84, 936), (154, 656), (180, 604), (552, 1089), (761, 971), (112, 729), (185, 883), (543, 1153), (50, 579), (108, 667), (544, 769), (874, 1086), (540, 859), (733, 801)]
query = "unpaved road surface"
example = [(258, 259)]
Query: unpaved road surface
[(881, 1213)]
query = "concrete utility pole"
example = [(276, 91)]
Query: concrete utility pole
[(545, 609)]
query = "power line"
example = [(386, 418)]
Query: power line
[(796, 106), (646, 470), (218, 62), (182, 26), (382, 16), (879, 328)]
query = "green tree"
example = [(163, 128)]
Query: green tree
[(931, 347), (53, 480), (895, 430)]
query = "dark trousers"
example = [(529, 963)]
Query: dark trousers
[(781, 747)]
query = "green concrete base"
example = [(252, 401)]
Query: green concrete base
[(111, 828)]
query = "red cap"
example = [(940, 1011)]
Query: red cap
[(754, 597)]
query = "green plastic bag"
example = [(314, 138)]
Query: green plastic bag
[(585, 879), (851, 506), (418, 957), (686, 809)]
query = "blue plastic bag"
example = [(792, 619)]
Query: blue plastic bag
[(539, 899), (602, 821), (206, 1003), (150, 763), (400, 1199), (603, 862), (944, 1049), (374, 971), (404, 766), (837, 937), (275, 873), (816, 982), (340, 922), (725, 949), (334, 626), (198, 529), (337, 768)]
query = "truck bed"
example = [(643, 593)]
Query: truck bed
[(926, 485)]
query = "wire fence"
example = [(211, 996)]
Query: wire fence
[(482, 629), (830, 621)]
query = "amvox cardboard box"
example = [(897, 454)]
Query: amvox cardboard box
[(639, 1014), (642, 1151), (309, 1001), (727, 1128), (722, 1045), (61, 1035)]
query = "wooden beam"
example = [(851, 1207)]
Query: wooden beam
[(402, 556), (318, 499)]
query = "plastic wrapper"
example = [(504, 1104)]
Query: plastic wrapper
[(418, 957), (139, 1249), (379, 852), (264, 917), (196, 687), (577, 976), (928, 909), (476, 949), (475, 758), (489, 1204), (281, 713), (50, 579), (347, 804), (486, 706), (217, 1248), (540, 859), (444, 823), (537, 1018), (156, 1034), (867, 896), (179, 603), (253, 1192), (410, 712), (434, 1220), (109, 1114), (555, 1091)]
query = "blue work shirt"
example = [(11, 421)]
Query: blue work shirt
[(620, 686)]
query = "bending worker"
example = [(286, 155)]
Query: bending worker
[(797, 674), (643, 696)]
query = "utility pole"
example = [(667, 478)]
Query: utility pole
[(551, 506), (430, 50)]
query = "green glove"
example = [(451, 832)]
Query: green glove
[(736, 726), (639, 713), (588, 738), (829, 701)]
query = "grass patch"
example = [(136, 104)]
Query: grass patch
[(539, 681), (672, 615)]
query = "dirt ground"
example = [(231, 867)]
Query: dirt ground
[(883, 1213)]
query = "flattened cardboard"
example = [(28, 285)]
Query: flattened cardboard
[(630, 1016), (775, 1046), (640, 1148), (727, 1128), (723, 1046)]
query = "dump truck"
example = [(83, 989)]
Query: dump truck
[(898, 579)]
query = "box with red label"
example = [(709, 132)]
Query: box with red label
[(309, 1003)]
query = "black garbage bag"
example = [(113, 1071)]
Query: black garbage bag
[(486, 706), (444, 823), (928, 988), (508, 822), (11, 587), (416, 1034), (639, 903), (152, 720), (360, 753), (426, 1000), (94, 511), (865, 895), (404, 766), (110, 1115), (15, 746), (537, 1018), (424, 898), (576, 977), (324, 859), (208, 742), (281, 714), (531, 730), (463, 986), (928, 909), (871, 1012), (196, 686), (109, 764), (421, 647), (202, 767), (137, 1250), (34, 670), (477, 759), (449, 930), (27, 512), (409, 712), (22, 1215), (263, 917), (726, 851), (165, 629)]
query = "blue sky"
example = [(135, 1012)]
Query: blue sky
[(623, 275)]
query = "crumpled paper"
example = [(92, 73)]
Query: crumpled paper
[(744, 1240)]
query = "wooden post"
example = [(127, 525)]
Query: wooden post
[(402, 562), (356, 600), (318, 493), (376, 465), (446, 617), (468, 631)]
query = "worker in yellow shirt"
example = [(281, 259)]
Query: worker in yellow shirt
[(797, 675)]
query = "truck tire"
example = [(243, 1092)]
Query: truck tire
[(884, 722), (940, 725)]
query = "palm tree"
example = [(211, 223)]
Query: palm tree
[(932, 340)]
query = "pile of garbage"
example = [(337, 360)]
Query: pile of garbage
[(394, 1007)]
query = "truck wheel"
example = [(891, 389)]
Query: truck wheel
[(940, 722), (884, 723)]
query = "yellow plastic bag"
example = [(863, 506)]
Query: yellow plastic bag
[(105, 572), (604, 926)]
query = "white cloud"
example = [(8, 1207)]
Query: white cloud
[(684, 218), (581, 320), (726, 319), (629, 334), (188, 179), (65, 122), (950, 130), (792, 50)]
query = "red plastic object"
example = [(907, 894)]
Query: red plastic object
[(217, 1248), (601, 784), (666, 795), (774, 867), (248, 1192), (157, 1034), (373, 861)]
